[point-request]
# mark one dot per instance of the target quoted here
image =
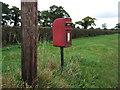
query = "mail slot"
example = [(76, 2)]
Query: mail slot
[(68, 24), (62, 32)]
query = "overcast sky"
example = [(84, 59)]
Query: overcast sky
[(105, 11)]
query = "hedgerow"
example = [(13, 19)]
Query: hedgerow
[(12, 35)]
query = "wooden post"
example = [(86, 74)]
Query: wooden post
[(0, 46), (29, 41)]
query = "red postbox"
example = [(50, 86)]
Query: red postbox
[(62, 32)]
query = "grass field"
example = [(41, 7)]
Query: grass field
[(89, 63)]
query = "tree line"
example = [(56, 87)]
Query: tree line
[(12, 16)]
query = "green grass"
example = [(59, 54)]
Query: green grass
[(89, 63)]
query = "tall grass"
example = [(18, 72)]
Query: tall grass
[(89, 63)]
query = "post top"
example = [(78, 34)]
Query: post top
[(29, 0), (63, 18)]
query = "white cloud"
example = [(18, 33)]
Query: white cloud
[(111, 22), (119, 12)]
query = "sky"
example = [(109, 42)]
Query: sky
[(105, 11)]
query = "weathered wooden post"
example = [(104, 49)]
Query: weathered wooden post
[(29, 41), (0, 46)]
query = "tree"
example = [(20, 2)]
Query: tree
[(40, 18), (10, 15), (73, 25), (86, 22), (15, 16), (5, 14), (46, 18), (117, 26), (104, 26), (58, 12)]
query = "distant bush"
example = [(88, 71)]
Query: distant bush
[(91, 32), (45, 34), (12, 35)]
